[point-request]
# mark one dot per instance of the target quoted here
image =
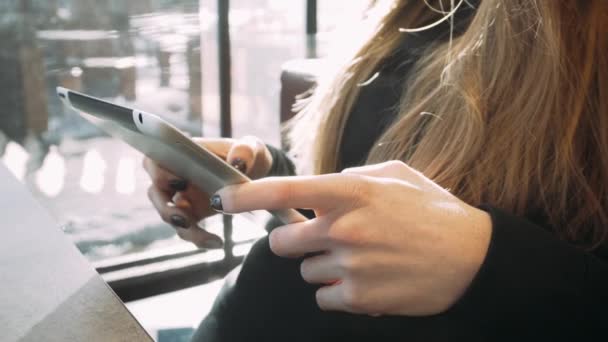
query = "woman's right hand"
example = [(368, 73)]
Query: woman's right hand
[(183, 205)]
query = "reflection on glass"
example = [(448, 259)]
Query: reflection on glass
[(93, 172), (156, 55), (50, 178), (125, 176), (141, 53), (15, 158)]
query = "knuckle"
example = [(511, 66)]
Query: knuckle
[(337, 233), (305, 270), (396, 165), (353, 298), (275, 242), (346, 232), (357, 187), (354, 170), (321, 300), (299, 232), (349, 265)]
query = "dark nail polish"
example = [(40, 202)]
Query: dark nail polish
[(216, 203), (239, 164), (179, 221), (178, 184)]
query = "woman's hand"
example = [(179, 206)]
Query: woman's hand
[(183, 205), (391, 240)]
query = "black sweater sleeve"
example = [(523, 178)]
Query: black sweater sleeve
[(532, 284), (281, 164)]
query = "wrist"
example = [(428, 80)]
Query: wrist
[(481, 226), (477, 230)]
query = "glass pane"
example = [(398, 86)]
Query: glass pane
[(143, 53), (156, 55), (333, 15), (264, 35)]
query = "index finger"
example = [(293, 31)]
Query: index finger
[(310, 192), (160, 176)]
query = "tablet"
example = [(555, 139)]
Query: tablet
[(163, 143)]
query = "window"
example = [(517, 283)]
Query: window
[(156, 55)]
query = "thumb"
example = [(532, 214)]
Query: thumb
[(250, 156)]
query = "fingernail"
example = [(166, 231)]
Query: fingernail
[(239, 164), (216, 203), (178, 184), (213, 244), (179, 221)]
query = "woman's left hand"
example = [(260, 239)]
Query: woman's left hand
[(391, 241)]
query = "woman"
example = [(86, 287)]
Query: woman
[(505, 105)]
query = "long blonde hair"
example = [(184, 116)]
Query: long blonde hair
[(513, 112)]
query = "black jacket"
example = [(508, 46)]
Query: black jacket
[(531, 285)]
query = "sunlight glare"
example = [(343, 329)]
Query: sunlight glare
[(15, 158), (125, 176), (50, 178), (93, 172)]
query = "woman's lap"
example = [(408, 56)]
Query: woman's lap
[(268, 300)]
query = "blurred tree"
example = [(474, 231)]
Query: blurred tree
[(23, 98)]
